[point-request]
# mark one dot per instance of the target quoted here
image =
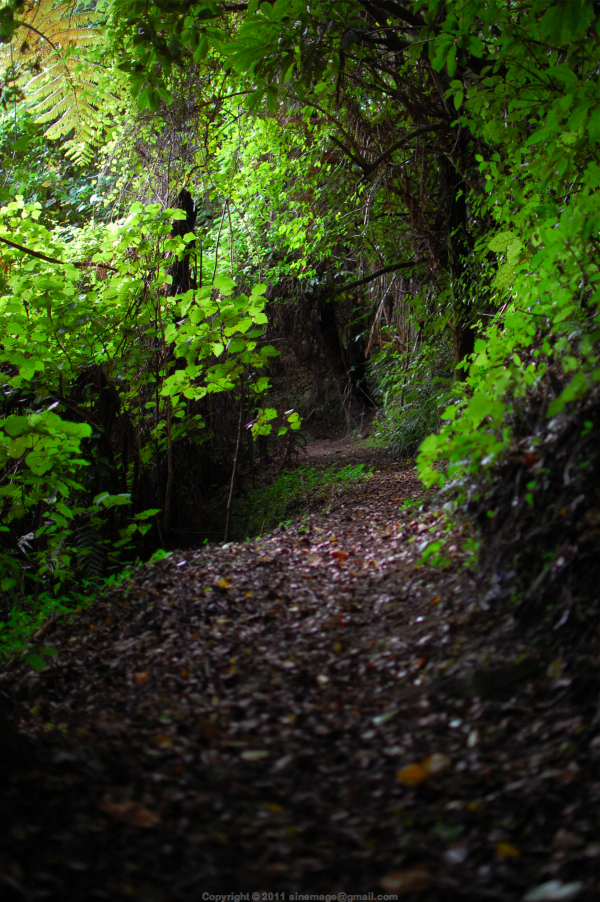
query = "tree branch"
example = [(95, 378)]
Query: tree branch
[(394, 9), (356, 160), (419, 131), (392, 267), (47, 259)]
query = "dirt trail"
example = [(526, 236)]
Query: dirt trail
[(261, 717)]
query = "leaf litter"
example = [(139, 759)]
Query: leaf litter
[(317, 710)]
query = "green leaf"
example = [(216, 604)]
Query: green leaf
[(593, 125), (451, 61), (500, 241), (224, 284), (36, 662)]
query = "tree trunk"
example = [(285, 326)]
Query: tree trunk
[(180, 270)]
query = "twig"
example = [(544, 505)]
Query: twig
[(235, 459), (230, 238), (218, 241), (45, 627)]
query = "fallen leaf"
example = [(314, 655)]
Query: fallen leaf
[(384, 718), (436, 763), (564, 839), (340, 555), (412, 775), (224, 583), (555, 669), (141, 677), (506, 850), (554, 891), (415, 880), (256, 755), (415, 774), (164, 742), (456, 854), (131, 813), (473, 739)]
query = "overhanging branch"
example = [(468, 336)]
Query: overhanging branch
[(47, 259), (368, 168), (417, 132), (356, 160), (392, 267)]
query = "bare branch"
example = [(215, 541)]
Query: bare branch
[(392, 267), (47, 259), (358, 161), (417, 132)]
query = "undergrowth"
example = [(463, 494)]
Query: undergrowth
[(19, 630), (292, 494), (413, 392)]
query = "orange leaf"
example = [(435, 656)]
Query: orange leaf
[(224, 583), (184, 673), (141, 677), (412, 775), (416, 880), (506, 850), (131, 813), (340, 555), (164, 742)]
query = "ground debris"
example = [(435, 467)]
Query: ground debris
[(324, 709)]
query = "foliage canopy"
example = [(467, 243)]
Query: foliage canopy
[(421, 177)]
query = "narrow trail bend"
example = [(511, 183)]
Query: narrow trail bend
[(262, 717)]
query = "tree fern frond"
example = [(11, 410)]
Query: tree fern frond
[(60, 85)]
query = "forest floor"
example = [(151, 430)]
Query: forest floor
[(323, 710)]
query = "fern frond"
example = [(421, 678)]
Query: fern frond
[(64, 89)]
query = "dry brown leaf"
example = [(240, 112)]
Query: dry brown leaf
[(141, 677), (131, 813), (412, 775), (506, 850), (416, 880)]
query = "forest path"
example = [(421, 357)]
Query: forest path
[(308, 711)]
